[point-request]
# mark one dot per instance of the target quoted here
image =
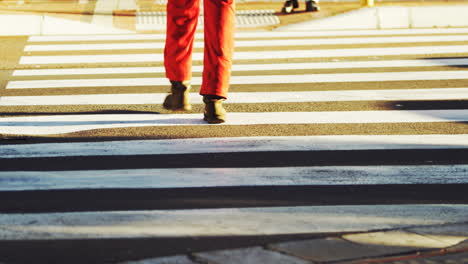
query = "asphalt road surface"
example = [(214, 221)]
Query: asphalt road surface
[(327, 132)]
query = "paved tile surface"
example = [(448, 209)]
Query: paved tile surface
[(463, 246), (254, 255), (165, 260), (445, 259), (335, 249)]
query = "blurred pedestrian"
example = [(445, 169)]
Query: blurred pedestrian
[(182, 19), (290, 6)]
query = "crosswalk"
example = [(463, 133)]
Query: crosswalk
[(336, 131)]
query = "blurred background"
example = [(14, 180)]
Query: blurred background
[(148, 15)]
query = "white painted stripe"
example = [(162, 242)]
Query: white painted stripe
[(351, 52), (284, 54), (259, 79), (106, 46), (354, 40), (255, 67), (235, 144), (218, 177), (256, 35), (248, 97), (44, 125), (225, 222), (103, 37), (91, 58), (93, 71), (252, 43)]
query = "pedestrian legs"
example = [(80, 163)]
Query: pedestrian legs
[(219, 25), (182, 18)]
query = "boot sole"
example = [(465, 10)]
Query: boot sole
[(186, 109), (181, 109), (214, 121), (167, 104)]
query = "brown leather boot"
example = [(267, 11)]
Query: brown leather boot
[(214, 111), (178, 100)]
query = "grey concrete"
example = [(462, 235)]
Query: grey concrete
[(335, 249), (392, 17), (358, 19), (438, 16), (254, 255), (163, 260), (463, 246), (461, 258)]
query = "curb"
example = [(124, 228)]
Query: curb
[(438, 243)]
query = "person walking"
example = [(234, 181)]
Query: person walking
[(290, 6), (219, 24)]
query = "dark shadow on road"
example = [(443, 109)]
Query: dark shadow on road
[(458, 62), (100, 251), (418, 155), (427, 104), (432, 107), (94, 200)]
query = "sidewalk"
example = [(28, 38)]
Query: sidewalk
[(393, 16), (123, 17), (112, 17), (429, 244), (86, 10)]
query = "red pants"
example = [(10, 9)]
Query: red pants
[(219, 18)]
